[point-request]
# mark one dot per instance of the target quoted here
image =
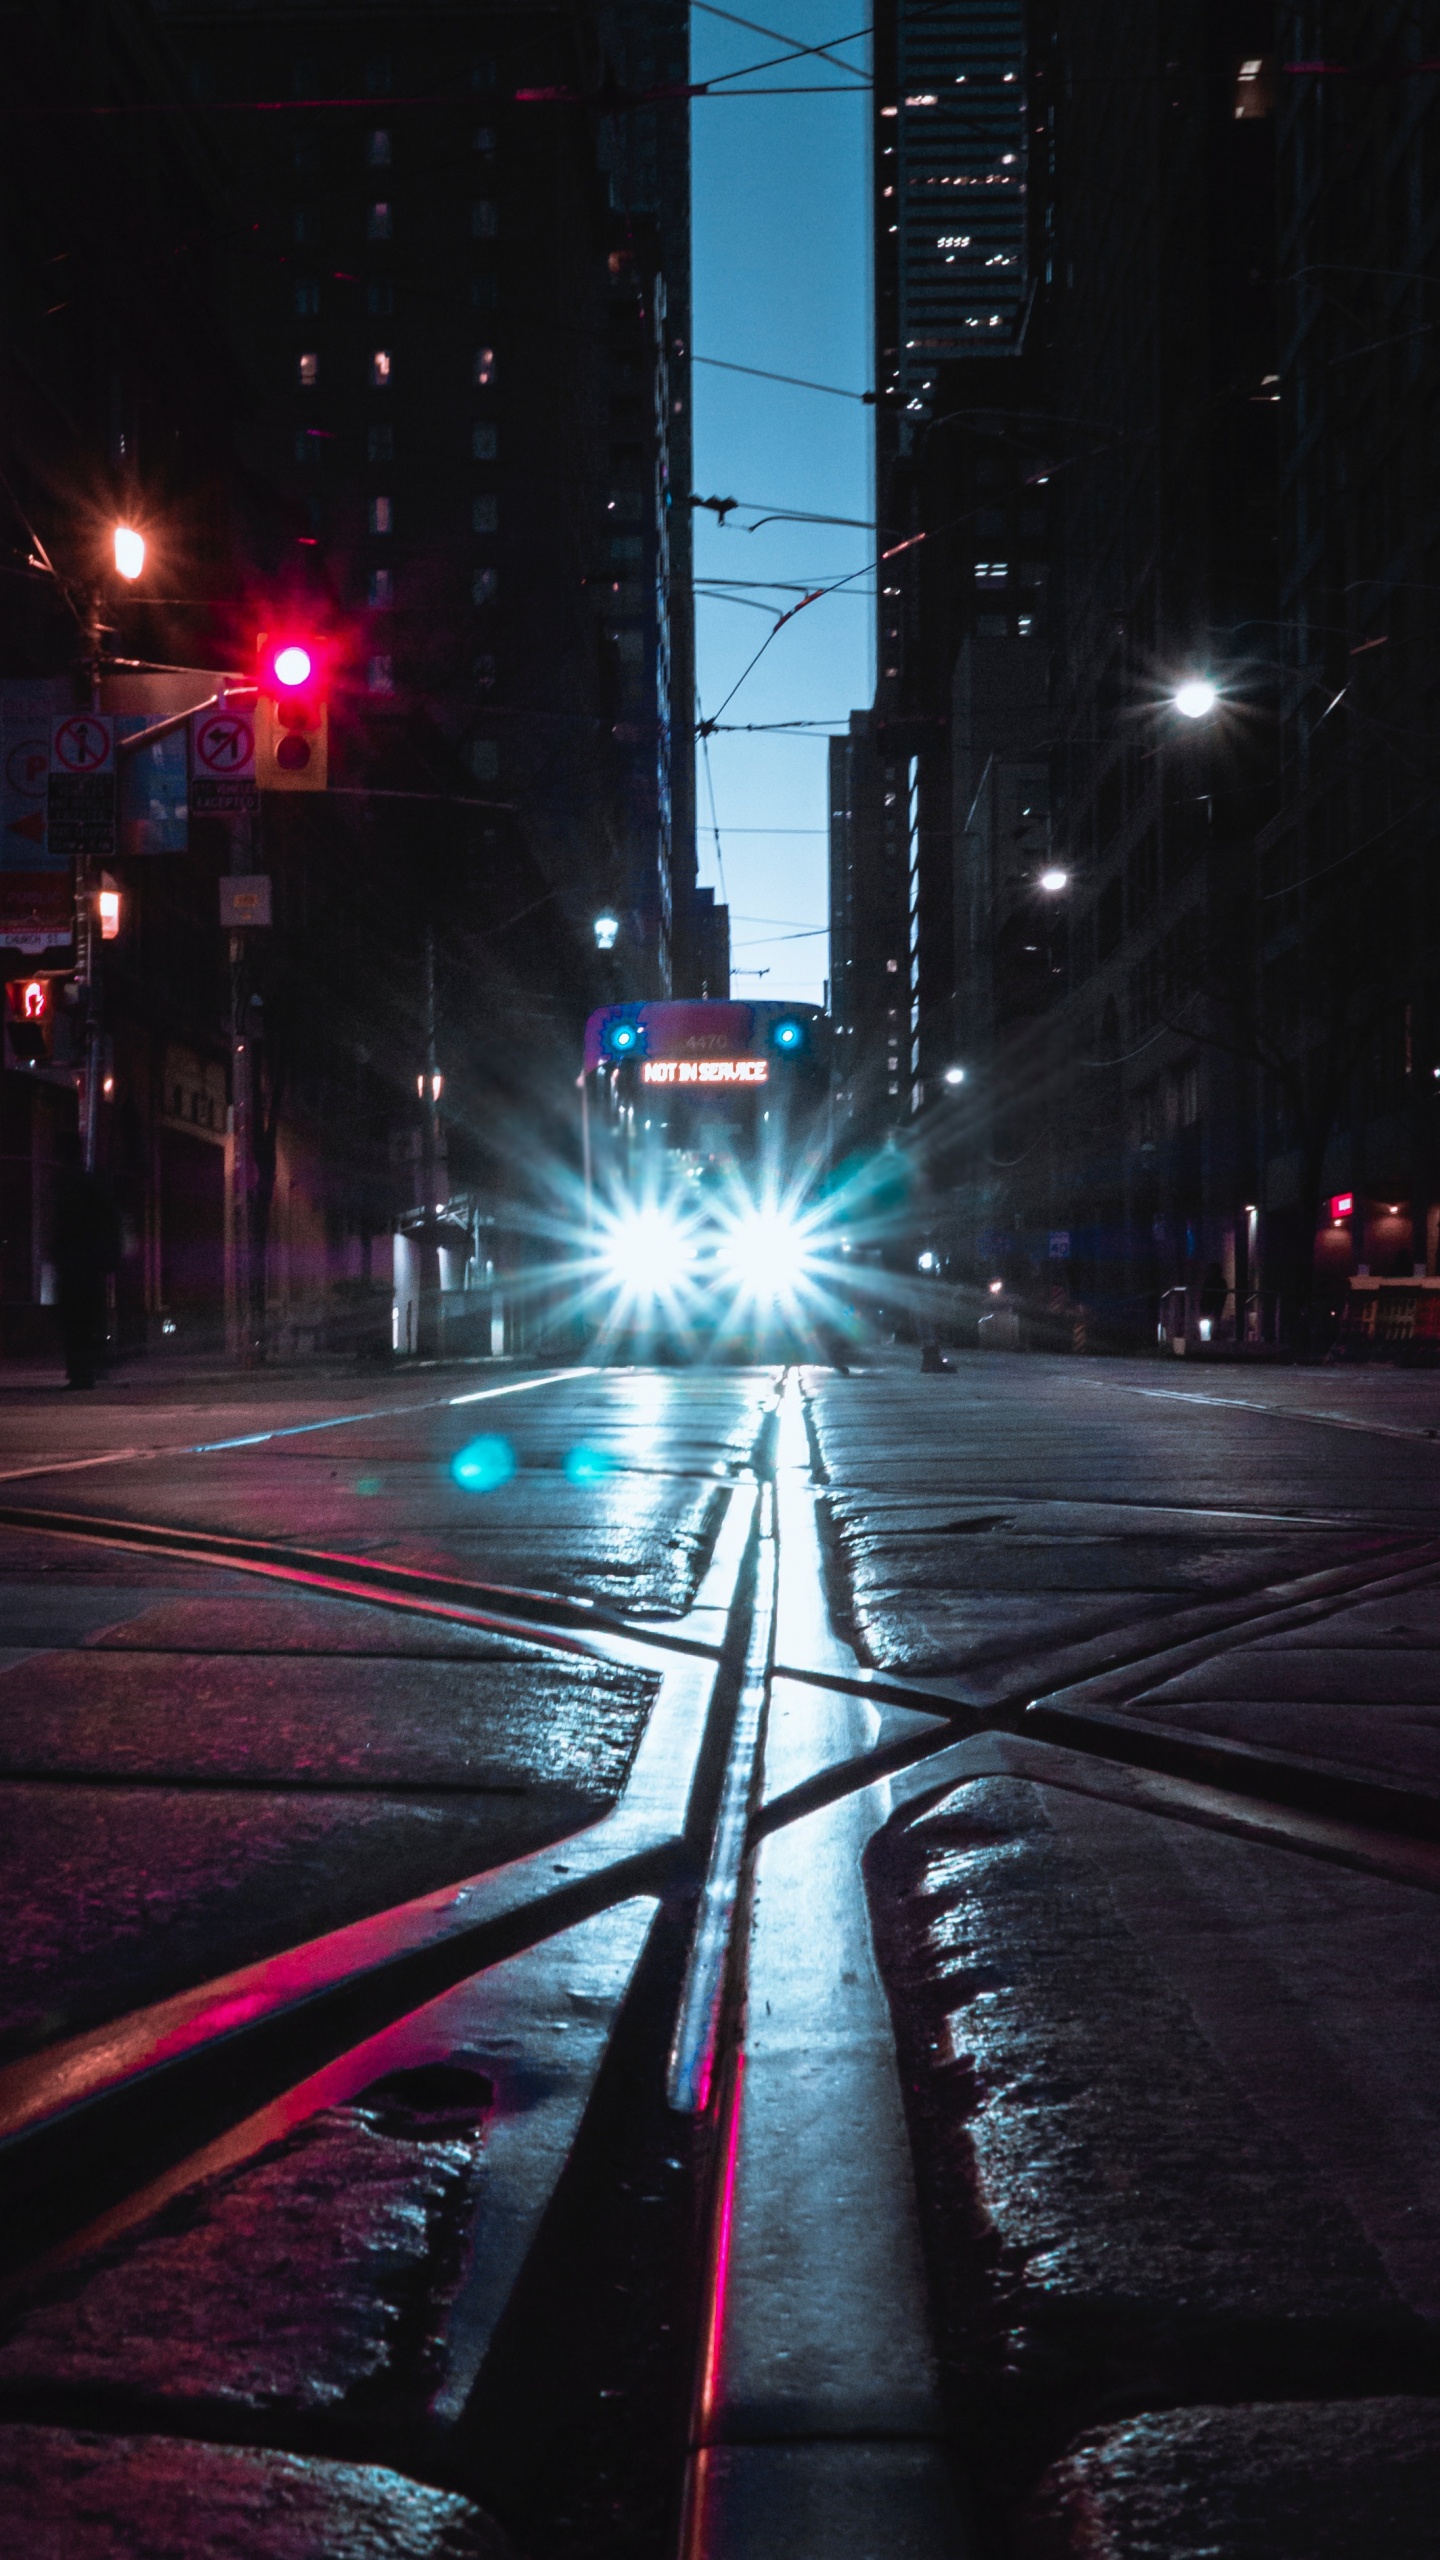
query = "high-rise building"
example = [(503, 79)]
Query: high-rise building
[(461, 296)]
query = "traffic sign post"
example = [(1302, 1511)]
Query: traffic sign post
[(82, 831)]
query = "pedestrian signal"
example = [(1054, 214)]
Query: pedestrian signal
[(30, 1022)]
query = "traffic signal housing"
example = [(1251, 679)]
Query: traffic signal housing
[(292, 726), (30, 1021)]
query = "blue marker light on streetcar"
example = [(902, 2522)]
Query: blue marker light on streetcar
[(482, 1466), (788, 1035), (621, 1038)]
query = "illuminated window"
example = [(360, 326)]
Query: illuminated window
[(307, 300), (380, 515), (382, 590), (484, 443), (309, 371), (380, 368), (482, 586), (380, 443), (381, 675), (379, 151), (305, 225), (484, 366), (484, 220), (378, 225), (484, 515), (991, 573)]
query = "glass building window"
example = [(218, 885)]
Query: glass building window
[(308, 369), (382, 589), (485, 141), (482, 587), (485, 759), (380, 300), (484, 367), (380, 443), (381, 675), (380, 368), (378, 153), (626, 548), (485, 673), (378, 225), (485, 515), (380, 521), (484, 219), (484, 293), (307, 299), (379, 75), (484, 443), (305, 224)]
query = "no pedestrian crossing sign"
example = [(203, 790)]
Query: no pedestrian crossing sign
[(222, 762)]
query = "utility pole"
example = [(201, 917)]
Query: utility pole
[(427, 1312)]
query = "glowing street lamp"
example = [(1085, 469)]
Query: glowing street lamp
[(954, 1075), (1196, 698), (129, 551), (1052, 882), (607, 932)]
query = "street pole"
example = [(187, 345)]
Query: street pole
[(427, 1312)]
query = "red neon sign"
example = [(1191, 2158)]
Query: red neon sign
[(1342, 1204)]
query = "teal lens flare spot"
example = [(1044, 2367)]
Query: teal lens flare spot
[(482, 1466), (369, 1484), (588, 1466)]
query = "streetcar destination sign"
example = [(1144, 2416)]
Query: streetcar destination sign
[(705, 1071)]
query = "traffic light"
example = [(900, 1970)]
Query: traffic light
[(29, 1021), (292, 720)]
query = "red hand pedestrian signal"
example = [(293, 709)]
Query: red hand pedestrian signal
[(30, 1022), (292, 724)]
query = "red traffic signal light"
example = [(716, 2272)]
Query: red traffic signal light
[(292, 727)]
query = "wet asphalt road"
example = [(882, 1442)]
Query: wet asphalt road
[(197, 1769), (201, 1768)]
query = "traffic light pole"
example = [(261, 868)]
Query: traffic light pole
[(427, 1310), (243, 1341)]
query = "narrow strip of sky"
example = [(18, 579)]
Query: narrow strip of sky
[(781, 304)]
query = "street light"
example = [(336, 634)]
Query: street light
[(1054, 881), (1196, 698), (954, 1075), (607, 932), (129, 551)]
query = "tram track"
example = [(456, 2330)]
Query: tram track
[(100, 2132), (319, 1993)]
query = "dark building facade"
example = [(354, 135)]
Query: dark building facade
[(389, 344)]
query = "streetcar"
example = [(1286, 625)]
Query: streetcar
[(705, 1130)]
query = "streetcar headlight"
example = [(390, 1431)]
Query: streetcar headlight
[(645, 1251), (768, 1253)]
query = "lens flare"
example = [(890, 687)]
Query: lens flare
[(588, 1466), (482, 1466), (646, 1251), (768, 1254)]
